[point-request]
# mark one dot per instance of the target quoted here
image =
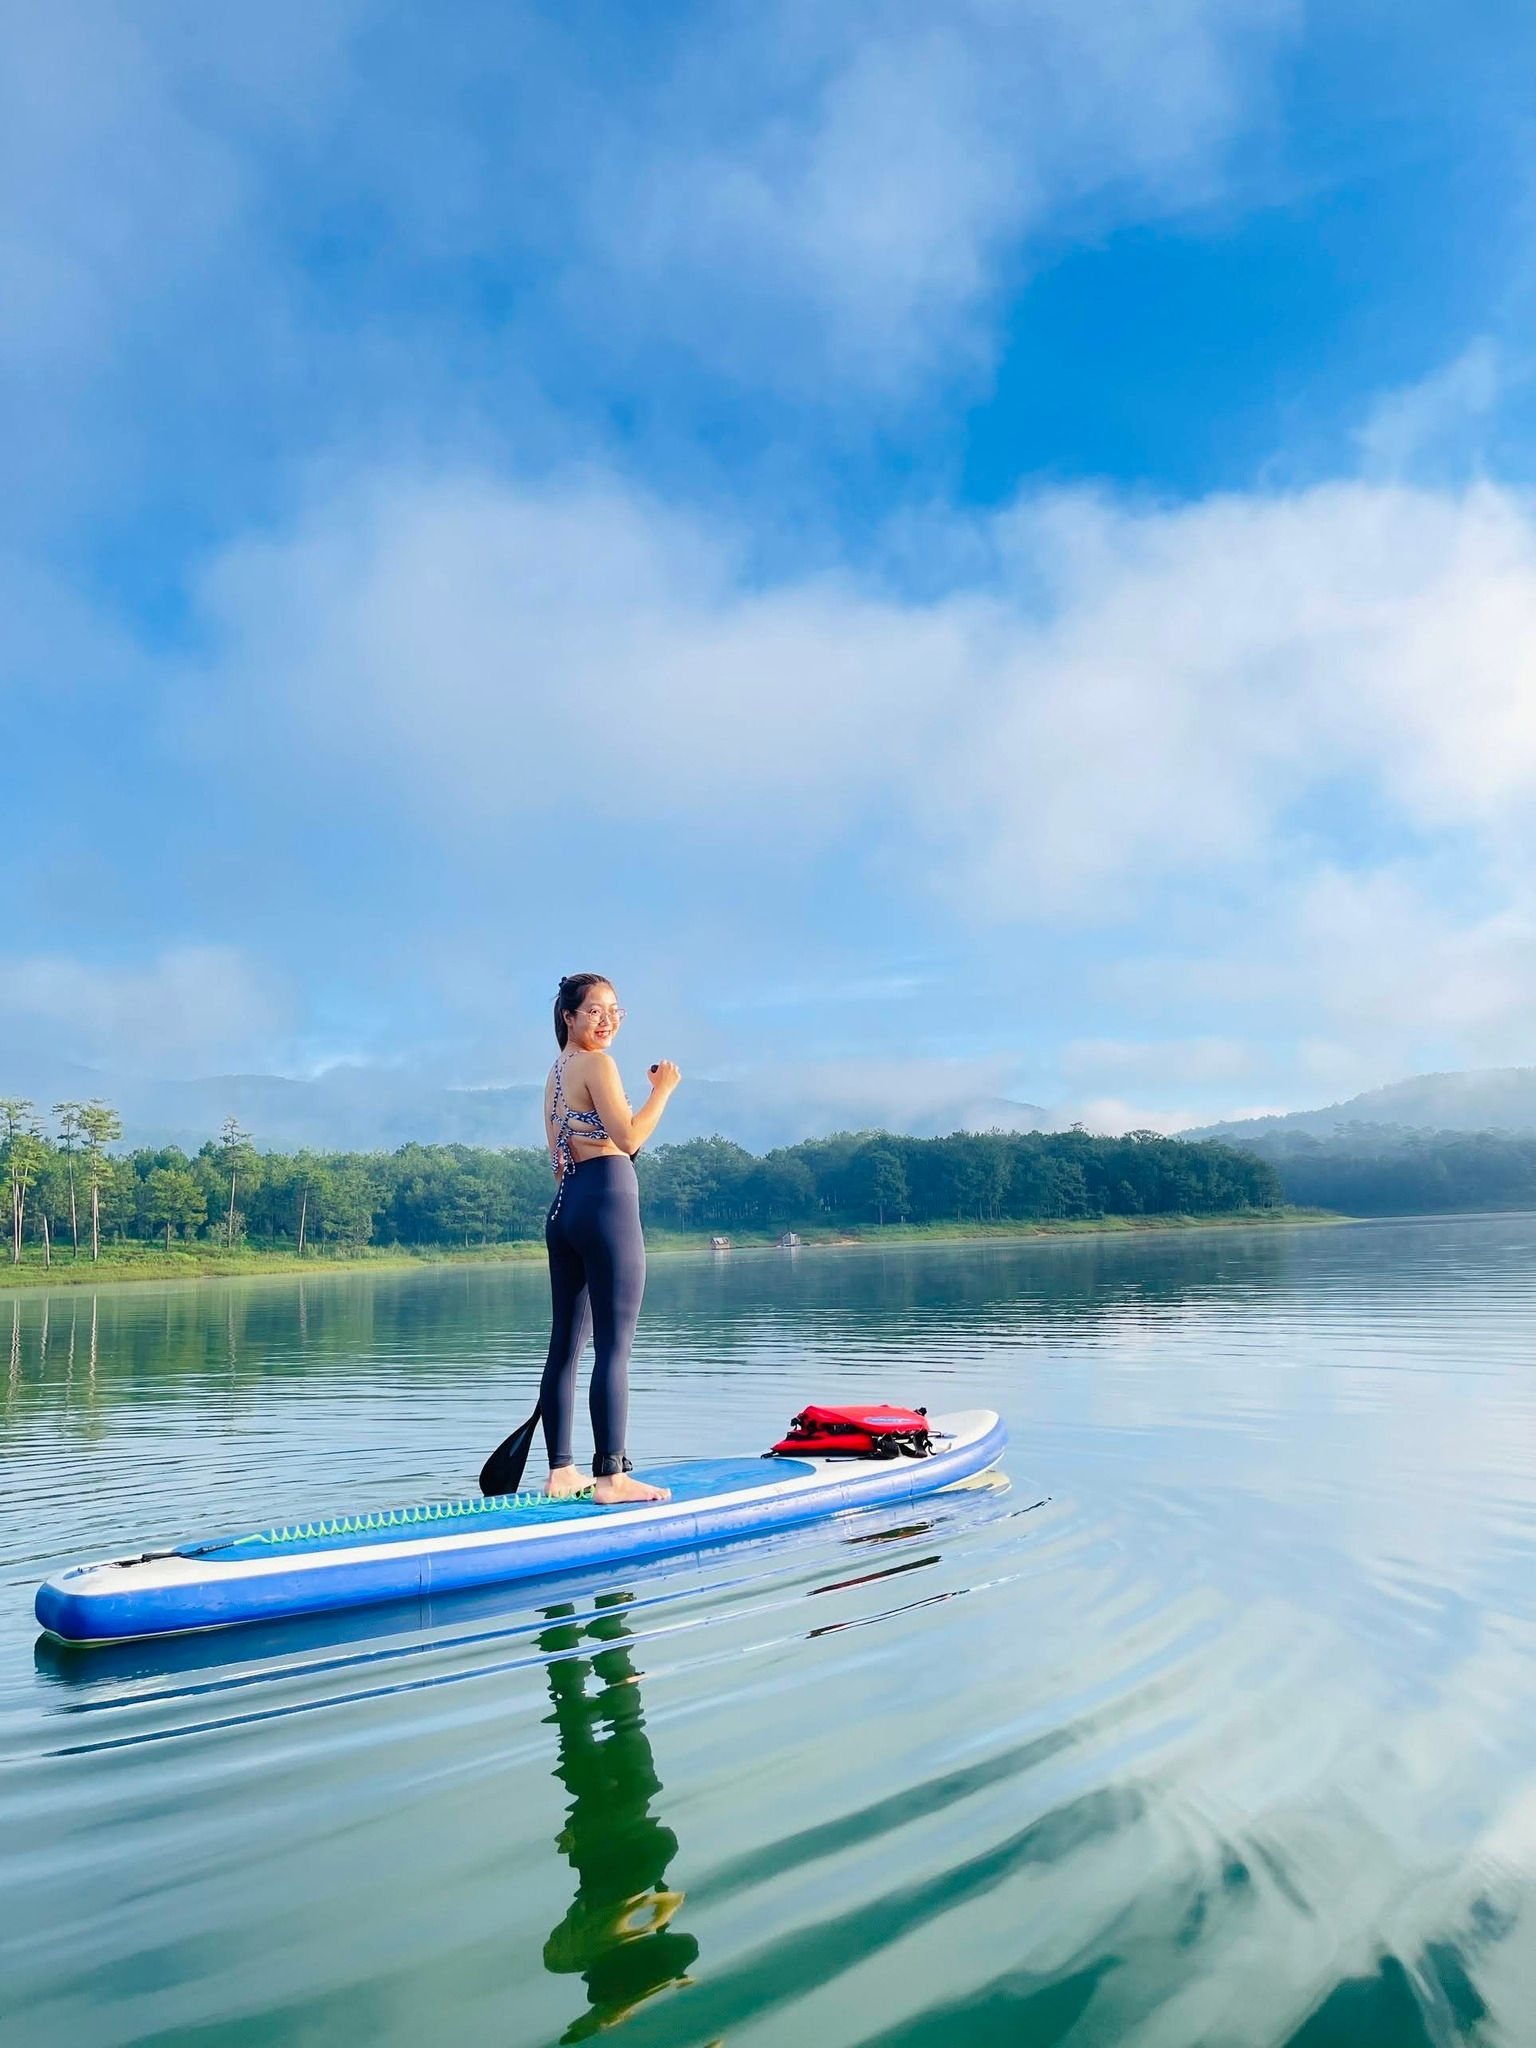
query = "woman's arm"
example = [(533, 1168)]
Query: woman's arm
[(628, 1128)]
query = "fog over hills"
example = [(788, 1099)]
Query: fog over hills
[(355, 1108), (371, 1108), (1486, 1099)]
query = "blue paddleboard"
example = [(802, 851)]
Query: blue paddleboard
[(444, 1546)]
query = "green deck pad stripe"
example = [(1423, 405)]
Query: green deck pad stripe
[(690, 1479), (427, 1511)]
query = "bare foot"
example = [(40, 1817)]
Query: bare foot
[(565, 1482), (623, 1487)]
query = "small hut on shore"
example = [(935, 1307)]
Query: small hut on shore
[(789, 1242)]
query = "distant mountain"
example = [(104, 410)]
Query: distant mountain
[(364, 1109), (1487, 1099)]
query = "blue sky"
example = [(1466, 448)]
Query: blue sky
[(959, 550)]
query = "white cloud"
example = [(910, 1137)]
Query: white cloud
[(56, 645), (1437, 417), (1381, 960), (792, 191), (1111, 1116), (808, 183), (129, 171), (831, 993), (80, 96), (1347, 981), (493, 653), (142, 153), (1313, 709), (776, 1104), (920, 1087), (495, 656), (1204, 670), (1164, 1061), (189, 1005)]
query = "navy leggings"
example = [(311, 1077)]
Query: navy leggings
[(596, 1280)]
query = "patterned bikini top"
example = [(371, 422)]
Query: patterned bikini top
[(565, 1119)]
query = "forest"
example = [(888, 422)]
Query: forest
[(71, 1190), (1382, 1170)]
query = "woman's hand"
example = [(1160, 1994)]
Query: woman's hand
[(664, 1077)]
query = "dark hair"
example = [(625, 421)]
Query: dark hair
[(573, 988)]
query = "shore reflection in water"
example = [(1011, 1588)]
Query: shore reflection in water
[(1219, 1729), (617, 1932)]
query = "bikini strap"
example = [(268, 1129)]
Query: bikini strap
[(562, 1113)]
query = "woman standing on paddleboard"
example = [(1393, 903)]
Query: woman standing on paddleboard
[(596, 1252)]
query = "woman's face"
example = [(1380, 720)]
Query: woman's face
[(594, 1023)]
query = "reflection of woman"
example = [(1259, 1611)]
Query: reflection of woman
[(617, 1931), (596, 1252)]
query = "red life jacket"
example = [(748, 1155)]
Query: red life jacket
[(862, 1430)]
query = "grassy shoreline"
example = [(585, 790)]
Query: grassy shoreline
[(123, 1265)]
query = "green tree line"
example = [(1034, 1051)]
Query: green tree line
[(69, 1189), (1383, 1170), (986, 1177)]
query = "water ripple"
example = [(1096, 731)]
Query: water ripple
[(1213, 1725)]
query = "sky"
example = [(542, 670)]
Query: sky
[(954, 550)]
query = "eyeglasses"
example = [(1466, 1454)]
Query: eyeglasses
[(595, 1014)]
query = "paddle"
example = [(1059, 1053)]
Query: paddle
[(502, 1471)]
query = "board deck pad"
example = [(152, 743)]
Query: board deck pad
[(689, 1479), (335, 1562)]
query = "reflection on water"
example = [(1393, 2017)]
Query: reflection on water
[(1215, 1729), (617, 1932)]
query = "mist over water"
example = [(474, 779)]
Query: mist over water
[(1212, 1721)]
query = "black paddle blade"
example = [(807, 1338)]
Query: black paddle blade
[(502, 1471)]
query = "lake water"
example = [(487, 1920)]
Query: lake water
[(1213, 1722)]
